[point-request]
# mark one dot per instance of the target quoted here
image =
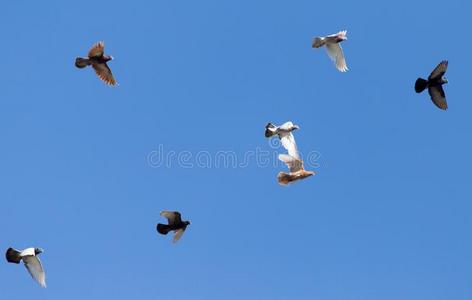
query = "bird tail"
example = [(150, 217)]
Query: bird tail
[(317, 42), (163, 228), (270, 130), (420, 85), (284, 178), (81, 62), (13, 256)]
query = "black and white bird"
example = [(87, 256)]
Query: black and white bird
[(175, 224), (292, 159), (31, 261), (434, 84), (333, 47)]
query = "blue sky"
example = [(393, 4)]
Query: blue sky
[(387, 216)]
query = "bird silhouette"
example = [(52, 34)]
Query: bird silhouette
[(175, 224), (434, 84)]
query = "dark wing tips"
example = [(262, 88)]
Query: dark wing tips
[(438, 96), (13, 256), (439, 71)]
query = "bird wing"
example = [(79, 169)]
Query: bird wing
[(335, 52), (293, 164), (34, 267), (439, 71), (288, 141), (173, 217), (178, 234), (97, 50), (27, 251), (438, 96), (103, 71)]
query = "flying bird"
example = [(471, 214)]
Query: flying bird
[(292, 159), (434, 84), (98, 60), (333, 47), (31, 261), (175, 224), (284, 132)]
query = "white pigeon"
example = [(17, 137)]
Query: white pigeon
[(292, 159), (31, 260), (333, 47), (284, 132)]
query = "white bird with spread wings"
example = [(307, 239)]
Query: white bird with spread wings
[(292, 159), (333, 47), (31, 260)]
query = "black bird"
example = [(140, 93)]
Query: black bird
[(434, 85), (175, 224)]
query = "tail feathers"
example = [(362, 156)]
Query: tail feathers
[(420, 85), (284, 178), (13, 256), (317, 42), (163, 229), (271, 130), (81, 62)]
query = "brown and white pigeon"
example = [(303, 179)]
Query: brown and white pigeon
[(98, 60), (434, 84), (175, 224), (292, 159), (31, 260), (333, 47)]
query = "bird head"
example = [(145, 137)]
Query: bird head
[(444, 79), (187, 223), (38, 251), (296, 127)]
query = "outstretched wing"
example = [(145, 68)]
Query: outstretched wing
[(288, 141), (335, 52), (97, 50), (438, 96), (178, 234), (439, 71), (293, 164), (34, 267), (103, 71), (173, 217)]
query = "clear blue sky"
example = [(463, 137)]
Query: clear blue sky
[(387, 216)]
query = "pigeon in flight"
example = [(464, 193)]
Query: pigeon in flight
[(292, 159), (31, 260), (98, 60), (175, 224), (434, 85), (333, 46)]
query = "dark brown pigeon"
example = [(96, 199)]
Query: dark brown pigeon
[(434, 85), (175, 224), (98, 60)]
